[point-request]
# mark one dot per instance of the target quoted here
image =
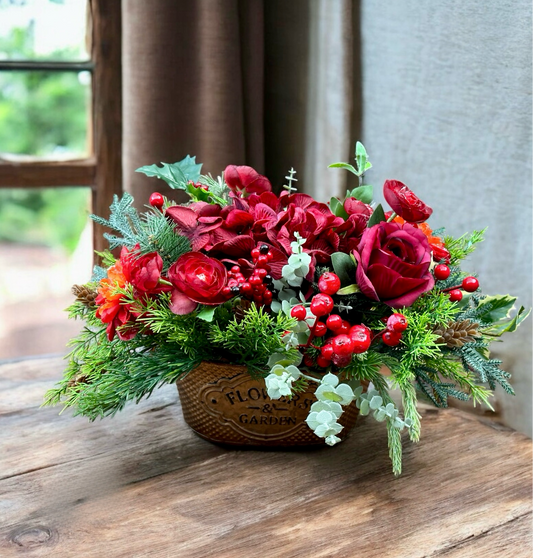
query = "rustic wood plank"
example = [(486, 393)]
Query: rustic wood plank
[(142, 484), (42, 174), (106, 53)]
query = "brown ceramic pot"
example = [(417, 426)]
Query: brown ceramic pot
[(223, 404)]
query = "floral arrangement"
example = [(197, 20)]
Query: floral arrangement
[(339, 295)]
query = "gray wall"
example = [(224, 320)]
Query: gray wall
[(447, 110)]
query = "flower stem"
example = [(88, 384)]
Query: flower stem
[(391, 218)]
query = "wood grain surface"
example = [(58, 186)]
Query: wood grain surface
[(142, 485)]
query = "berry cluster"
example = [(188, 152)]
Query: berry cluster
[(469, 284), (396, 325), (259, 285), (345, 339)]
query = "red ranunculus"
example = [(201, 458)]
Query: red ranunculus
[(246, 180), (393, 264), (196, 278), (143, 272), (404, 203)]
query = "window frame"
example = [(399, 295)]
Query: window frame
[(102, 170)]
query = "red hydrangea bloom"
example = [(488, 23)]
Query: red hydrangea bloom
[(405, 203)]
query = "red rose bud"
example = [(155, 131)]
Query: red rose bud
[(197, 278), (440, 254), (405, 203), (246, 179)]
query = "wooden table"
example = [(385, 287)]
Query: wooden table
[(142, 485)]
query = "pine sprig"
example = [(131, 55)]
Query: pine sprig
[(487, 370), (460, 247), (254, 338), (152, 232)]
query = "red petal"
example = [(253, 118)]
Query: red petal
[(181, 304)]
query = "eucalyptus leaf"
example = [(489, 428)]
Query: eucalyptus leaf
[(350, 289), (363, 193), (207, 313), (345, 166), (361, 157), (377, 217), (344, 267), (337, 208)]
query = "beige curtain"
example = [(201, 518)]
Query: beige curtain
[(270, 84)]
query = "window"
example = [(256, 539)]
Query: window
[(63, 135)]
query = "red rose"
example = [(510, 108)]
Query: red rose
[(197, 279), (246, 179), (393, 264), (404, 203)]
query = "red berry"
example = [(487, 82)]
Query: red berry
[(361, 337), (262, 261), (255, 253), (391, 338), (441, 272), (235, 269), (308, 361), (456, 295), (262, 273), (321, 304), (226, 291), (345, 328), (341, 360), (334, 322), (322, 362), (246, 288), (327, 351), (319, 329), (267, 295), (329, 283), (255, 280), (470, 284), (342, 345), (299, 312), (270, 256), (156, 200), (397, 322)]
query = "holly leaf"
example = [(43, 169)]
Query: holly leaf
[(507, 325), (377, 217), (494, 308), (176, 175), (344, 267)]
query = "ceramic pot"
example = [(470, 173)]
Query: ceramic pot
[(224, 405)]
